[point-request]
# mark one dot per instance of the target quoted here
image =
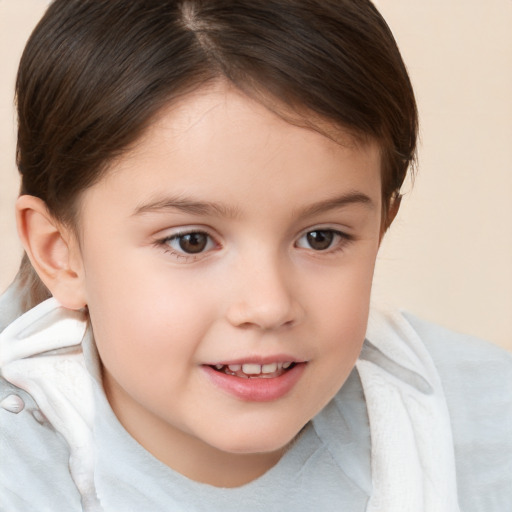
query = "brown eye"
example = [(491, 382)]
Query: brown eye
[(320, 240), (193, 243)]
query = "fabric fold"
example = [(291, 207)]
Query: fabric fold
[(412, 446), (41, 354)]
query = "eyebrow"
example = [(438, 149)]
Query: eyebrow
[(186, 205), (206, 208), (350, 198)]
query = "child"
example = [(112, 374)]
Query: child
[(205, 186)]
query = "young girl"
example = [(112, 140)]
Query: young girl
[(205, 186)]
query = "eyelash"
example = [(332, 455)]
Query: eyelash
[(184, 256), (339, 242)]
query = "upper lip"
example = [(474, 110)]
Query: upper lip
[(261, 360)]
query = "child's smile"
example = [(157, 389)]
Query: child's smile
[(257, 381), (227, 262)]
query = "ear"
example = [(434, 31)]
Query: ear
[(391, 213), (53, 251), (394, 206)]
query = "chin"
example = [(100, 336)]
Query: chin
[(267, 441)]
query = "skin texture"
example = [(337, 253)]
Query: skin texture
[(257, 290)]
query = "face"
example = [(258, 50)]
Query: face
[(228, 261)]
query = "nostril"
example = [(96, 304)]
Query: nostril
[(265, 316), (264, 296)]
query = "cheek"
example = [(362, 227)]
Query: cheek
[(342, 310), (137, 288), (145, 316), (342, 296)]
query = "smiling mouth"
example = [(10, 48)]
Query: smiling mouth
[(254, 371)]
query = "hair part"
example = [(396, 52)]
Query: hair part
[(95, 73)]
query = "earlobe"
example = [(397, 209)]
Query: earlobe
[(52, 250)]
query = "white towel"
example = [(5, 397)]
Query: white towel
[(412, 455), (57, 380)]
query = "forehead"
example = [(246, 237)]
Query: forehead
[(219, 142), (219, 101)]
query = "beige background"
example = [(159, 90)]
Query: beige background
[(448, 257)]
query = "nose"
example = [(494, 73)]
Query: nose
[(265, 297)]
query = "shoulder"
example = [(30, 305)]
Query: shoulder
[(474, 373), (448, 347), (34, 470), (477, 381)]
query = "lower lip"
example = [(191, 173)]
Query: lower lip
[(256, 389)]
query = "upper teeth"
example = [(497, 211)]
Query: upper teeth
[(249, 368), (255, 369)]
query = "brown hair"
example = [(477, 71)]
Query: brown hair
[(94, 74)]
